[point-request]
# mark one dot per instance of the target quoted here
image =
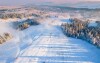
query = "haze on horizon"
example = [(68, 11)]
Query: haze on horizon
[(23, 2)]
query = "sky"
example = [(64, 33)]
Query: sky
[(22, 2)]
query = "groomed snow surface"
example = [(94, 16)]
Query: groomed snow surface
[(46, 43)]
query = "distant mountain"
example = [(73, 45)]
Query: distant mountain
[(87, 4)]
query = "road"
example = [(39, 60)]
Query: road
[(54, 47)]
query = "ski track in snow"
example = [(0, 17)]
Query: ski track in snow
[(50, 45)]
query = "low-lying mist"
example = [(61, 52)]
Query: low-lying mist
[(6, 28)]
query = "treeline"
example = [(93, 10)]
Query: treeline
[(80, 29), (25, 24), (5, 37), (16, 15)]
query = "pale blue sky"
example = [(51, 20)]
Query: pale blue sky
[(22, 2)]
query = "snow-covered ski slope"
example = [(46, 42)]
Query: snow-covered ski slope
[(46, 43)]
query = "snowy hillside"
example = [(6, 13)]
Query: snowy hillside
[(46, 43), (39, 38)]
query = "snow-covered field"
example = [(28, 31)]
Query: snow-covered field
[(46, 43)]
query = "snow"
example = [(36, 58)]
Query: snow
[(66, 21), (7, 48), (93, 23), (46, 43)]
